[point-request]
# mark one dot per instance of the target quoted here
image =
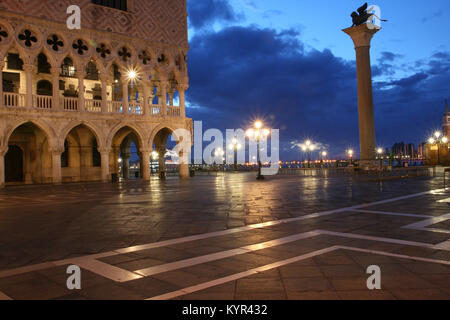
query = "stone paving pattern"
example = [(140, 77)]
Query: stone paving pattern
[(46, 223)]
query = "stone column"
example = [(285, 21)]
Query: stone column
[(183, 167), (29, 69), (104, 80), (81, 90), (3, 151), (2, 101), (163, 97), (361, 36), (161, 161), (55, 77), (181, 92), (105, 153), (126, 105), (56, 164), (125, 165), (145, 93), (145, 164)]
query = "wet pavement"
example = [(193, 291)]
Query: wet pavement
[(227, 237)]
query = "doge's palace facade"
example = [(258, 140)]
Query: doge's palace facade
[(75, 102)]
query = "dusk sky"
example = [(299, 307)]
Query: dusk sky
[(289, 63)]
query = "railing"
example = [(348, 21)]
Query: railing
[(155, 110), (93, 105), (70, 103), (115, 106), (173, 111), (16, 100), (13, 99), (43, 102)]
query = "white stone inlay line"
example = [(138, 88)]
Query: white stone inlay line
[(106, 270), (223, 254), (241, 275), (92, 257), (393, 213), (422, 225), (4, 297)]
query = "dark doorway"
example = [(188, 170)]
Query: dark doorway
[(14, 164)]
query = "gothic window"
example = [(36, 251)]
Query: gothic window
[(92, 71), (14, 62), (44, 88), (67, 68), (43, 65), (116, 4)]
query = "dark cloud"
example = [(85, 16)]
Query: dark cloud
[(205, 12), (240, 73)]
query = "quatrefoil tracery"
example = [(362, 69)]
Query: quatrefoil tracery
[(28, 38), (103, 51), (55, 43), (145, 57), (125, 54), (3, 34), (80, 46)]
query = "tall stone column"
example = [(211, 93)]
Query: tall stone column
[(104, 79), (56, 164), (145, 90), (181, 92), (55, 77), (361, 36), (183, 167), (105, 153), (3, 151), (163, 97), (81, 89), (29, 69), (2, 101), (125, 103), (125, 164), (145, 164)]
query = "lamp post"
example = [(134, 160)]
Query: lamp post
[(350, 155), (324, 154), (439, 139), (219, 153), (380, 153), (235, 145), (257, 133)]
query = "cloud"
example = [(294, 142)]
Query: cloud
[(240, 73), (205, 12)]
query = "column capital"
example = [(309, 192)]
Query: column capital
[(55, 71), (182, 87), (361, 35), (81, 73), (104, 77), (144, 150), (56, 150), (104, 150), (29, 67)]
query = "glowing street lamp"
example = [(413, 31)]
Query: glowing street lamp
[(439, 139), (350, 155), (257, 133), (235, 145), (380, 152)]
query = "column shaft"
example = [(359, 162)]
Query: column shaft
[(55, 77), (145, 164), (29, 82), (126, 105), (56, 166), (105, 166), (81, 89), (2, 168), (365, 104)]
